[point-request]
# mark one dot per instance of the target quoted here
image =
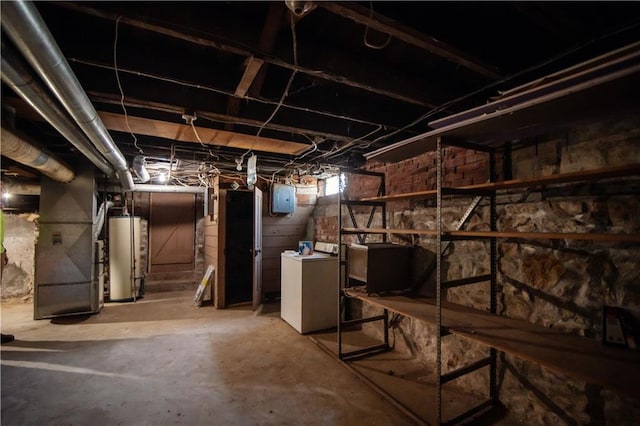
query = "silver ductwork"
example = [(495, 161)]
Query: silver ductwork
[(24, 25), (140, 169), (99, 222), (30, 153), (21, 188), (170, 188), (16, 75)]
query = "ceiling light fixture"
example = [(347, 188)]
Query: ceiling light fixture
[(300, 8)]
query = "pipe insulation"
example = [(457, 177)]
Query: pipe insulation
[(26, 28), (21, 188), (16, 75), (170, 188), (102, 213), (32, 154)]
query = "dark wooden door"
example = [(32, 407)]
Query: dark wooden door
[(238, 249), (172, 232)]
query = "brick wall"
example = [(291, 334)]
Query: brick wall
[(461, 167), (559, 284)]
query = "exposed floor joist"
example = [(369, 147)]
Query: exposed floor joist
[(252, 67), (106, 98), (226, 47), (267, 42), (203, 87), (255, 69), (410, 36), (184, 133)]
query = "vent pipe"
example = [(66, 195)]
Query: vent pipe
[(99, 221), (32, 154), (24, 25), (16, 75)]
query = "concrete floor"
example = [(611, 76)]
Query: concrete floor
[(162, 361)]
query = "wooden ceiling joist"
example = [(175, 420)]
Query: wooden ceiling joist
[(249, 75), (226, 47), (268, 39), (110, 99), (255, 70), (184, 133), (380, 23)]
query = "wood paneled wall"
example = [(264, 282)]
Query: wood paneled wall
[(279, 232)]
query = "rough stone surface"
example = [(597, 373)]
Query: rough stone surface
[(561, 284), (20, 236)]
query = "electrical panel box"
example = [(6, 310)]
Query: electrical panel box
[(283, 198)]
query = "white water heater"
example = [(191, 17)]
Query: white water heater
[(125, 269)]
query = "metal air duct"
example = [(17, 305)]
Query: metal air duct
[(21, 188), (32, 154), (102, 213), (24, 25), (21, 80)]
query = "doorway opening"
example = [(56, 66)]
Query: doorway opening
[(239, 247)]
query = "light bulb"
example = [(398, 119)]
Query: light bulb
[(162, 177), (6, 195), (239, 164)]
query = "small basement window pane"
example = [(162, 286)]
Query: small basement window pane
[(332, 185)]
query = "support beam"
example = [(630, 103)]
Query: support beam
[(375, 21), (184, 133), (253, 65), (23, 110), (106, 98), (242, 51), (223, 92), (267, 43)]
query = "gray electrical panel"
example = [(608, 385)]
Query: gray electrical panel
[(283, 198)]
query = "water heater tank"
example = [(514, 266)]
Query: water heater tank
[(125, 269)]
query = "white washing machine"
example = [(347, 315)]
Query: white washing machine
[(309, 291)]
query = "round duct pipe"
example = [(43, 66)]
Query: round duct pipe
[(26, 28), (140, 169), (16, 75), (32, 154), (21, 188)]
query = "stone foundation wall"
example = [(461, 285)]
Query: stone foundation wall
[(559, 284), (20, 235)]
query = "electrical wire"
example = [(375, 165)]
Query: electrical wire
[(285, 93), (273, 175), (115, 67), (195, 132), (353, 142), (366, 33), (219, 91), (544, 63)]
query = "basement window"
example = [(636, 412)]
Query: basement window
[(334, 184)]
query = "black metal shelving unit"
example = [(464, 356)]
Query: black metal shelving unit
[(558, 101), (345, 203), (442, 284)]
